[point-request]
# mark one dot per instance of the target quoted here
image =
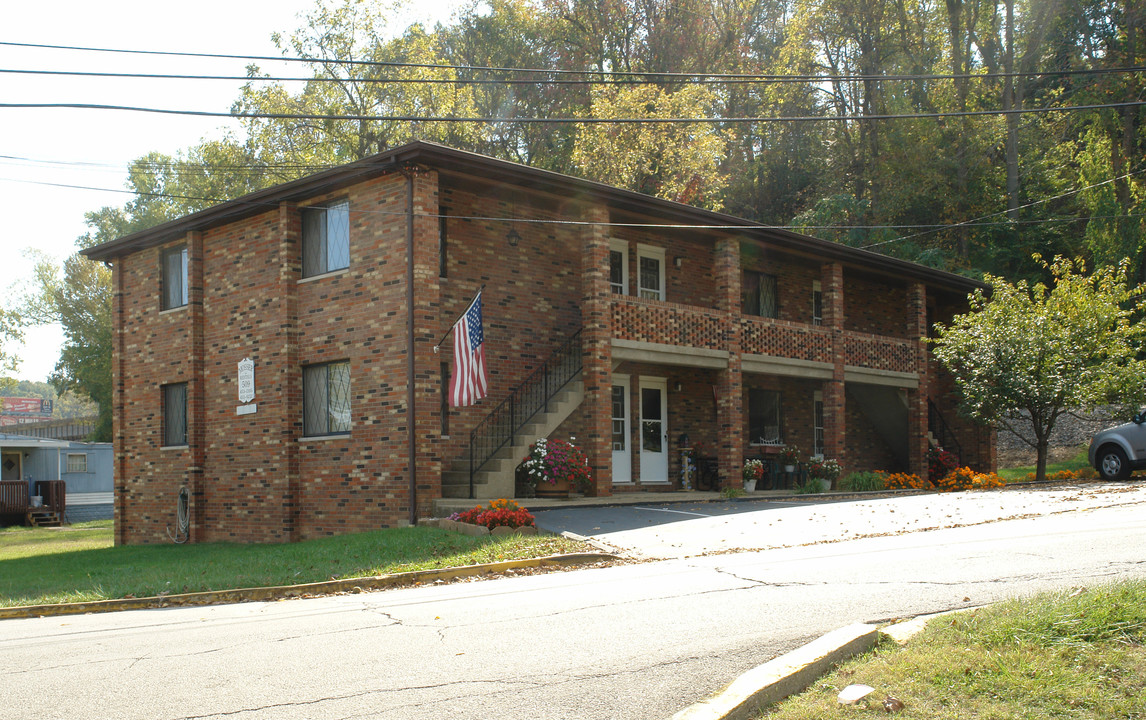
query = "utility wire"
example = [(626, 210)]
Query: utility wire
[(697, 79), (977, 221), (552, 71), (568, 120), (935, 227)]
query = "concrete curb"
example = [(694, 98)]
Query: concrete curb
[(786, 675), (282, 592)]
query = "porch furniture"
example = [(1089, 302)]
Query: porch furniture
[(707, 473)]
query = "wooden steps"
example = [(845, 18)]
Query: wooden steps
[(42, 517)]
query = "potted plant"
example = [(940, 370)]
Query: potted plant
[(753, 472), (554, 467), (823, 470), (789, 458)]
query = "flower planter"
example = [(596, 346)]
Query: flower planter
[(789, 468), (750, 485), (558, 489)]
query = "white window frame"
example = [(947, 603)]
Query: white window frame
[(817, 303), (622, 247), (759, 441), (80, 460), (653, 253)]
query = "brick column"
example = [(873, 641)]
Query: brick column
[(835, 407), (286, 368), (916, 315), (427, 320), (196, 391), (597, 349), (117, 404), (730, 383)]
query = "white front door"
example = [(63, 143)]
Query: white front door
[(654, 430), (622, 451)]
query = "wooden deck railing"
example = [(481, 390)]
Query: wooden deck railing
[(15, 500), (13, 497)]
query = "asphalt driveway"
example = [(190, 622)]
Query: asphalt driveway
[(692, 529)]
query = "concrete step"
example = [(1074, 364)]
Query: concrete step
[(496, 478)]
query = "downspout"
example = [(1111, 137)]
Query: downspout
[(411, 434)]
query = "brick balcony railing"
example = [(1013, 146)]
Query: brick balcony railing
[(672, 324), (667, 323), (780, 338), (879, 352)]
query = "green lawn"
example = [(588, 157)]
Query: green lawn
[(1016, 474), (43, 565), (1069, 655)]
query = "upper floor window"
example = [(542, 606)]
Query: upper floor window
[(175, 277), (760, 295), (764, 417), (651, 272), (175, 414), (325, 239), (326, 399), (77, 463), (619, 267), (817, 303)]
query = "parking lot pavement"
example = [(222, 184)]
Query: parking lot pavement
[(689, 529)]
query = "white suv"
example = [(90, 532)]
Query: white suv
[(1117, 451)]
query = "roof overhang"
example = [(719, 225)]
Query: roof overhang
[(26, 442), (461, 162)]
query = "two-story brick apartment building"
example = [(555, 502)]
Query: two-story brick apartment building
[(625, 321)]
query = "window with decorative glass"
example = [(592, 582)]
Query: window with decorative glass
[(175, 415), (760, 295), (764, 417), (326, 399), (325, 238)]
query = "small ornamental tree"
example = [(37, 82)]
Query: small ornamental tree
[(1045, 350)]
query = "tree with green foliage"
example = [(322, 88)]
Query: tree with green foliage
[(79, 297), (1044, 351)]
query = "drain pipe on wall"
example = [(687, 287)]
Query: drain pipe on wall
[(411, 434)]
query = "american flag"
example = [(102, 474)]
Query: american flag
[(468, 384)]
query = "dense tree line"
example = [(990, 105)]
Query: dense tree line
[(961, 185)]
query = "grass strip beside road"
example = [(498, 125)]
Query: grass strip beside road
[(80, 564), (1019, 474), (1078, 655)]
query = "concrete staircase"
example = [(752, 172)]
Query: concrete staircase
[(496, 478)]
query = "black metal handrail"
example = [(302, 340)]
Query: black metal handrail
[(531, 396), (938, 427)]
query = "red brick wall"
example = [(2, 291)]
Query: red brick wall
[(874, 306)]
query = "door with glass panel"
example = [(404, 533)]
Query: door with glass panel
[(654, 430)]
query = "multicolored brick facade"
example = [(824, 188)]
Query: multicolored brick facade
[(429, 226)]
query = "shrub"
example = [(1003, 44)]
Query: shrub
[(499, 513), (965, 478), (940, 463), (863, 481), (905, 481), (811, 486)]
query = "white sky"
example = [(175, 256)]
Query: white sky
[(40, 148)]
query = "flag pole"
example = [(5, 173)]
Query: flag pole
[(459, 318)]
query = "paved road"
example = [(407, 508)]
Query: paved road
[(636, 641)]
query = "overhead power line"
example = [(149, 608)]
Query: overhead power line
[(932, 227), (645, 76), (568, 120)]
